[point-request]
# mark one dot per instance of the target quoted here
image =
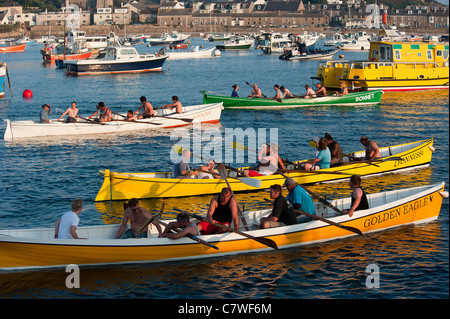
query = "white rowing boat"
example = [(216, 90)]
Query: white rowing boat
[(203, 113), (37, 248)]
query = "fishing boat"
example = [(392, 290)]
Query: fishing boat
[(355, 98), (126, 185), (296, 54), (37, 248), (360, 42), (236, 44), (118, 59), (11, 46), (220, 37), (273, 42), (193, 53), (391, 66), (209, 113)]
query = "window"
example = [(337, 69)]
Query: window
[(429, 55), (445, 54), (397, 54), (439, 53)]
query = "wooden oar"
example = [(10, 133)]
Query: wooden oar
[(265, 241), (155, 217), (312, 172), (9, 81), (193, 237), (223, 175), (175, 118), (349, 228), (91, 121), (239, 146)]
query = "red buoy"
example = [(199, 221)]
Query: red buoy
[(27, 94)]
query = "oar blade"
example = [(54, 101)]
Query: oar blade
[(253, 182)]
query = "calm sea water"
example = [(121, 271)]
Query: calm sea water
[(40, 177)]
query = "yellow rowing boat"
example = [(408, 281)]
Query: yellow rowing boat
[(36, 248), (123, 186)]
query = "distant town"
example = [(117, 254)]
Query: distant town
[(220, 15)]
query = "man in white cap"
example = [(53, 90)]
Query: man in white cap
[(300, 199)]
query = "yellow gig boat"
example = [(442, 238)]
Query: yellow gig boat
[(391, 66), (123, 186), (36, 248)]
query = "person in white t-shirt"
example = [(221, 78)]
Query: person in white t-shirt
[(66, 226)]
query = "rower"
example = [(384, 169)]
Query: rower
[(183, 222), (45, 112), (176, 104), (286, 93), (181, 168), (105, 113), (72, 113), (321, 91), (148, 108), (359, 198), (278, 94), (256, 92), (269, 162), (283, 213), (299, 199), (343, 90), (222, 210), (309, 92)]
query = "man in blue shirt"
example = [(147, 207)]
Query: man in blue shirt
[(300, 199)]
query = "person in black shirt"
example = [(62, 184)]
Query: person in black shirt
[(359, 198), (283, 213)]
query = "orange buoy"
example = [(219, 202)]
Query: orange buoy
[(27, 94)]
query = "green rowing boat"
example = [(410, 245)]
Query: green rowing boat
[(355, 98)]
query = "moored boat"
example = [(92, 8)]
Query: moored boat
[(391, 66), (11, 46), (209, 113), (125, 185), (355, 98), (297, 55), (236, 44), (37, 248), (194, 53), (118, 59)]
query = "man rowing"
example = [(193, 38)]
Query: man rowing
[(359, 198), (278, 93), (222, 210), (72, 113), (299, 199), (309, 92), (45, 112), (183, 222), (286, 93), (148, 109), (372, 149), (176, 104), (104, 112), (322, 159), (256, 92), (321, 91), (181, 168), (283, 213), (137, 216), (343, 90)]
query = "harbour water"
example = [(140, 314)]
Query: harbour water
[(39, 177)]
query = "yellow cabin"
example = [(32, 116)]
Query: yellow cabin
[(391, 66)]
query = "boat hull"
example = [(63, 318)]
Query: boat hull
[(123, 186), (48, 56), (2, 79), (89, 67), (198, 113), (13, 48), (205, 53), (36, 248), (232, 47), (357, 98)]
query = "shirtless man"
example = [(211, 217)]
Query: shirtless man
[(137, 216), (184, 225), (343, 90), (72, 113), (148, 109), (372, 150), (176, 104), (256, 92), (105, 113), (321, 91), (309, 92)]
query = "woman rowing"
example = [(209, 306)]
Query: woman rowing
[(269, 160), (72, 113)]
